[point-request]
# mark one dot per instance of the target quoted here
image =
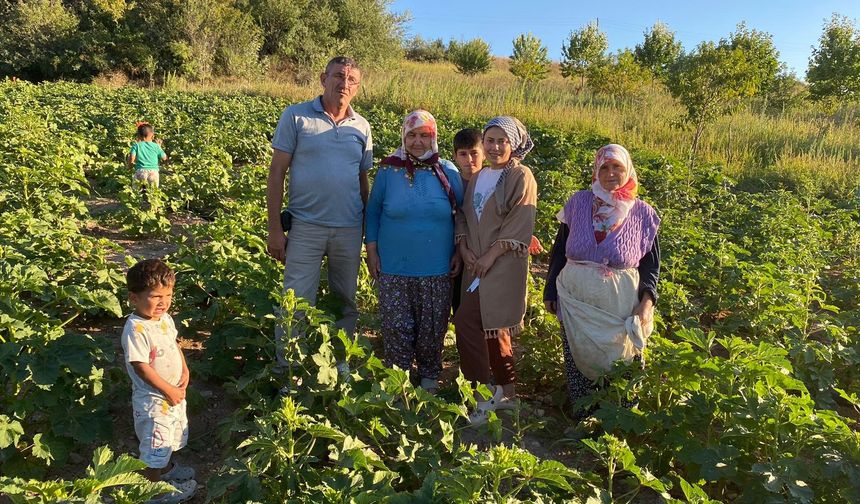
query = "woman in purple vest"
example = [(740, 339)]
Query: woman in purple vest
[(604, 267)]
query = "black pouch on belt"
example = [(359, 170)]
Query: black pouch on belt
[(286, 220)]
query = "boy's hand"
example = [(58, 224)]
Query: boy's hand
[(183, 381), (535, 247), (174, 395)]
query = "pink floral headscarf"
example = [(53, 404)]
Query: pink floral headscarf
[(612, 207), (416, 119), (429, 160)]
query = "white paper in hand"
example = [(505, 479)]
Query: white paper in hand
[(474, 285)]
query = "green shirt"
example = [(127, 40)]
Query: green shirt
[(147, 155)]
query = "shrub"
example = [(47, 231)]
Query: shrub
[(427, 51), (470, 58), (621, 77), (529, 61)]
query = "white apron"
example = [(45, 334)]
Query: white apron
[(596, 305)]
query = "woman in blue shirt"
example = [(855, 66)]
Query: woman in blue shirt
[(410, 247)]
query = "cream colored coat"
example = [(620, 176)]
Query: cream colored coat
[(509, 222)]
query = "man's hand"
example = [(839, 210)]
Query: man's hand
[(551, 306), (276, 245)]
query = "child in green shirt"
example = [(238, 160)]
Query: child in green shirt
[(145, 155)]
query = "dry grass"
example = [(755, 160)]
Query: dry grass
[(801, 146)]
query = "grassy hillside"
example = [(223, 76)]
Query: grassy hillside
[(806, 148)]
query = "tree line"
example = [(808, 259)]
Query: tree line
[(833, 72), (709, 80), (196, 39), (200, 39)]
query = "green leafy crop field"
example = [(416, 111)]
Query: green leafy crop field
[(749, 393)]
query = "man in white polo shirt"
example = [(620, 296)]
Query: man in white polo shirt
[(327, 149)]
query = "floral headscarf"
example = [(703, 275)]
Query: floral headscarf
[(401, 157), (611, 207), (521, 142), (429, 160)]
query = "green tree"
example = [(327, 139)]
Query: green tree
[(834, 67), (711, 80), (470, 58), (621, 76), (658, 51), (38, 40), (758, 48), (46, 39), (301, 35), (298, 34), (239, 46), (584, 49), (427, 51), (529, 60), (786, 93), (368, 31)]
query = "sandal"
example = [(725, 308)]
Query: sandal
[(182, 491), (178, 473), (483, 409)]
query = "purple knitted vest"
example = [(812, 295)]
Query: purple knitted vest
[(622, 248)]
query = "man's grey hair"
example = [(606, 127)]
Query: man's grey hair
[(343, 61)]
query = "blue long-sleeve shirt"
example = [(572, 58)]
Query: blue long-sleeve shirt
[(412, 226)]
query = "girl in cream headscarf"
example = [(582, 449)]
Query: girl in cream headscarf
[(603, 271)]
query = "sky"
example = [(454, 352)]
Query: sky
[(795, 25)]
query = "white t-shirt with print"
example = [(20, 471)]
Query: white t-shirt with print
[(154, 342), (485, 185)]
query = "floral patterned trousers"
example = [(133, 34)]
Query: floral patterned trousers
[(415, 313)]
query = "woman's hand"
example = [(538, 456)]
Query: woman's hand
[(374, 265), (467, 255), (483, 265), (456, 265), (645, 309)]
